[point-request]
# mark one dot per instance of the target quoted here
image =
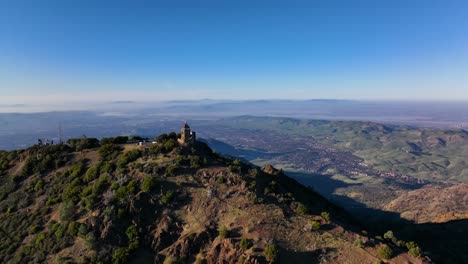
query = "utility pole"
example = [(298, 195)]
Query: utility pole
[(60, 140)]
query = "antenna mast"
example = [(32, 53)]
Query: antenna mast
[(60, 139)]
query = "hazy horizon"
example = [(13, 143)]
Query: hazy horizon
[(133, 105)]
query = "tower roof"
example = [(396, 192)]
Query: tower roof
[(185, 125)]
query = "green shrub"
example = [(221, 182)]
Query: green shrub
[(120, 213), (245, 243), (53, 226), (67, 211), (82, 230), (120, 255), (325, 216), (302, 209), (39, 185), (223, 232), (33, 229), (124, 192), (100, 185), (72, 228), (82, 143), (106, 167), (60, 231), (39, 238), (114, 140), (171, 170), (390, 236), (132, 233), (220, 180), (315, 224), (358, 242), (169, 145), (384, 252), (40, 163), (195, 162), (148, 183), (86, 191), (92, 173), (128, 157), (120, 140), (272, 253), (90, 240), (162, 138), (167, 197), (172, 135), (109, 151), (415, 251), (234, 168), (252, 185), (411, 244)]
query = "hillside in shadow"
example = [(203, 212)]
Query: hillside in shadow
[(442, 242)]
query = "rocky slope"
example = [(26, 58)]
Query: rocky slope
[(432, 204), (103, 202)]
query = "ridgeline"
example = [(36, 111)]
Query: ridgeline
[(110, 201)]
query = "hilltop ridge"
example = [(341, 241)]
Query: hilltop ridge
[(97, 201)]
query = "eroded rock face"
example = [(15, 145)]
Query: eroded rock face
[(165, 234), (222, 252), (189, 245), (270, 169)]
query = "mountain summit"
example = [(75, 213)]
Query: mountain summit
[(111, 201)]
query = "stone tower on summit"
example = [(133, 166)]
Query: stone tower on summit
[(187, 135)]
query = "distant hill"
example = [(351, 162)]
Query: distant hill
[(429, 154), (433, 204), (90, 202)]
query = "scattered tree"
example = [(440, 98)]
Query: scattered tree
[(358, 242), (109, 151), (315, 225), (148, 183), (120, 255), (171, 170), (415, 251), (385, 252), (390, 236), (302, 209), (272, 253), (67, 211), (245, 243), (223, 232), (83, 143), (325, 216), (167, 197)]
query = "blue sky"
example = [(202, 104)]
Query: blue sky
[(158, 50)]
